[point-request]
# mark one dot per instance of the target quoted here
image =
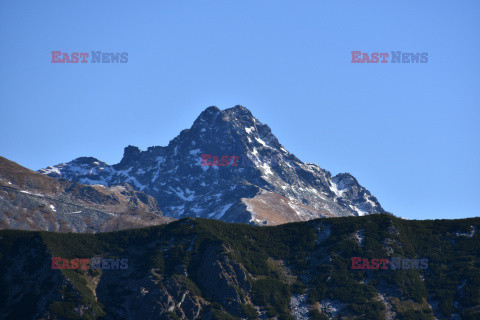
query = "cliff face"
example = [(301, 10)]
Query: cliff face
[(205, 269)]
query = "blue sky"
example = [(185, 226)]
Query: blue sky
[(408, 132)]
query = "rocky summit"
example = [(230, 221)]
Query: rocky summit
[(228, 166)]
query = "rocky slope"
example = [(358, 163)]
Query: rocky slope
[(259, 182), (32, 201), (205, 269)]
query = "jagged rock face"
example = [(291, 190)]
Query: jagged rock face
[(175, 177), (32, 201)]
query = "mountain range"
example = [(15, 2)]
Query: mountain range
[(255, 180), (130, 240)]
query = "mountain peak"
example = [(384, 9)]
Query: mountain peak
[(130, 153), (239, 110), (209, 112), (212, 109), (264, 185)]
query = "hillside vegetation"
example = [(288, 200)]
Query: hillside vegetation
[(205, 269)]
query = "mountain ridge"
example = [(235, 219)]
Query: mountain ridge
[(175, 177), (32, 201), (197, 268)]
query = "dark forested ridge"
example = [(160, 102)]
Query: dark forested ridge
[(196, 268)]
